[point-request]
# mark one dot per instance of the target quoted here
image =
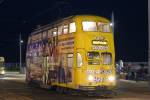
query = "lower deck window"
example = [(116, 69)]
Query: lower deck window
[(70, 60), (93, 58), (79, 60), (107, 58)]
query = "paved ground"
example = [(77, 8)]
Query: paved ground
[(13, 87)]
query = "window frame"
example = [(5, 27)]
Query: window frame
[(54, 30), (50, 33), (92, 59), (66, 28), (88, 21), (70, 56), (111, 62), (70, 28), (104, 23), (77, 60), (60, 26)]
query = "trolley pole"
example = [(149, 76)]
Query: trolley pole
[(112, 23), (149, 42), (20, 50)]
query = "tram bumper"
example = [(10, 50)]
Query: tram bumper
[(97, 89)]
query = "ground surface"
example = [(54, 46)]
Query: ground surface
[(13, 87)]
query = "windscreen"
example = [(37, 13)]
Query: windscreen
[(93, 58)]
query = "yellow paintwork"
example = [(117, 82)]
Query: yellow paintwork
[(82, 44), (72, 43)]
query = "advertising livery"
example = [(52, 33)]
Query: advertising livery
[(75, 53)]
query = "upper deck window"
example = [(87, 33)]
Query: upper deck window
[(49, 33), (89, 26), (72, 27), (103, 27), (60, 30), (65, 30), (55, 32), (44, 34)]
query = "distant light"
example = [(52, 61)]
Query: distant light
[(21, 41)]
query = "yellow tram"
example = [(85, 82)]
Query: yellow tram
[(74, 53)]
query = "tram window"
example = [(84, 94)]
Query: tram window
[(106, 28), (93, 58), (55, 32), (79, 60), (107, 58), (93, 55), (1, 64), (72, 27), (70, 60), (65, 30), (49, 33), (60, 30), (89, 26), (44, 34), (103, 27)]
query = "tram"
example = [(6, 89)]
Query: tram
[(74, 53)]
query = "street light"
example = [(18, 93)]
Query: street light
[(20, 49), (21, 41)]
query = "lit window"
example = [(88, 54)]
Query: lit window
[(89, 26), (79, 60), (106, 28), (60, 30), (93, 58), (65, 30), (107, 58), (70, 55), (103, 27), (70, 60), (55, 32), (72, 27)]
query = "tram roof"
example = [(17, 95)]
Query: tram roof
[(48, 26)]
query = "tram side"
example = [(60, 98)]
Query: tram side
[(50, 53)]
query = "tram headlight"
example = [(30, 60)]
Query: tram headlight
[(91, 78), (111, 78)]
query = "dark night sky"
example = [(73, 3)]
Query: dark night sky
[(21, 16)]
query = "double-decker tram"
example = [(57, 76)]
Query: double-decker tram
[(75, 53)]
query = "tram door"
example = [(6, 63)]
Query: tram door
[(69, 68)]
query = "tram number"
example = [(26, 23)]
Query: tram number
[(98, 79)]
